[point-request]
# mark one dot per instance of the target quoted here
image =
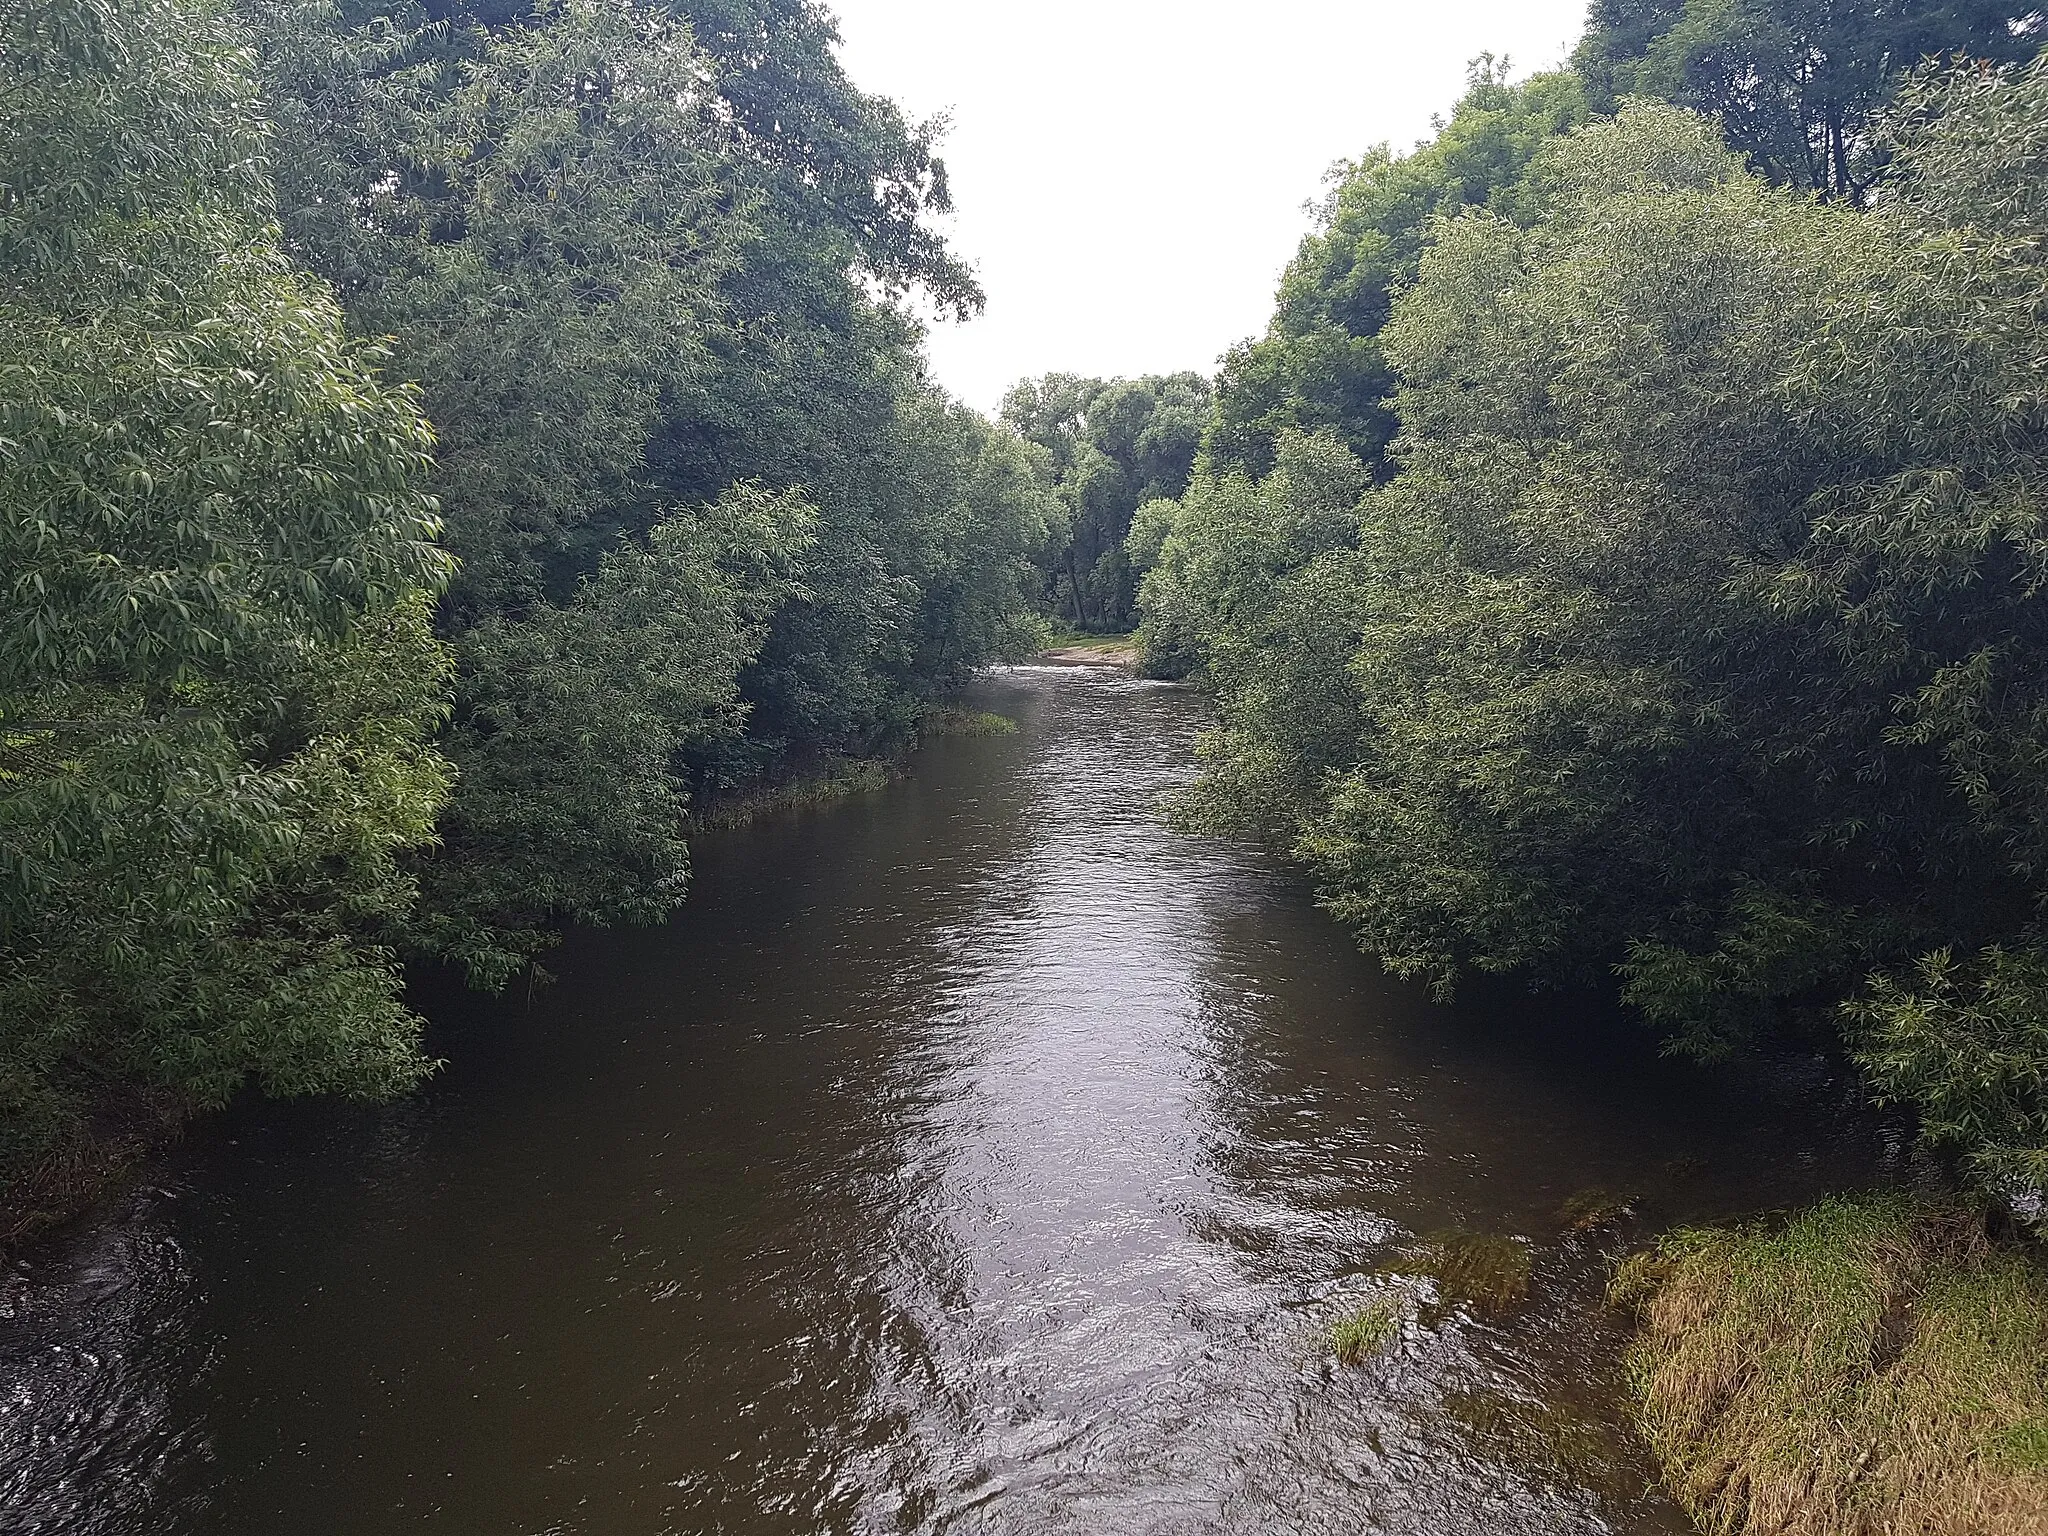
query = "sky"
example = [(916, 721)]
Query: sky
[(1130, 175)]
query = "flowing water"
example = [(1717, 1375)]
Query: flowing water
[(976, 1156)]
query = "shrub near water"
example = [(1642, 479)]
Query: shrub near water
[(836, 779), (217, 680), (1871, 1366), (1693, 623)]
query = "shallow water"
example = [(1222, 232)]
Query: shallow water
[(977, 1156)]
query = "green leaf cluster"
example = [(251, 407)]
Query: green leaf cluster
[(1319, 367), (294, 684), (1114, 447), (713, 520), (1700, 631), (218, 681), (1797, 85)]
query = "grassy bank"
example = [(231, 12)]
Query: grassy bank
[(1059, 636), (835, 779), (1073, 645), (1869, 1367), (966, 722)]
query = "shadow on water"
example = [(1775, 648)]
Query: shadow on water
[(975, 1157)]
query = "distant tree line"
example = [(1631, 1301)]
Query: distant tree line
[(1113, 447), (439, 442), (1624, 554)]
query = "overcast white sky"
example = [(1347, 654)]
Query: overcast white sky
[(1130, 174)]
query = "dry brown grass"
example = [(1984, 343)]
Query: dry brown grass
[(1869, 1368)]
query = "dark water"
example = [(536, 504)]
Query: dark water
[(975, 1157)]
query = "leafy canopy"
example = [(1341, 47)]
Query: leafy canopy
[(1700, 631), (216, 676)]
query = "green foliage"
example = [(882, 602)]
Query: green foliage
[(571, 724), (1242, 587), (825, 782), (984, 511), (1700, 631), (544, 243), (1366, 1331), (1972, 147), (1319, 367), (1967, 1046), (706, 510), (816, 387), (628, 254), (544, 221), (1113, 448), (217, 679), (1796, 84)]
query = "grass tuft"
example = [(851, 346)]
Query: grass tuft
[(1867, 1367), (967, 722), (1534, 1429), (1358, 1336), (98, 1139), (2022, 1448), (1591, 1209), (840, 779), (1488, 1274)]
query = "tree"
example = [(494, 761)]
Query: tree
[(1796, 84), (217, 682), (1319, 365), (573, 722), (1700, 632), (631, 255), (1112, 448)]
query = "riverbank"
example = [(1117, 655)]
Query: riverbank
[(834, 779), (1867, 1365), (100, 1151), (839, 778), (1075, 648), (94, 1157)]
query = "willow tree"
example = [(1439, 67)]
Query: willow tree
[(1113, 446), (1700, 633), (217, 680), (643, 261), (1319, 367), (1797, 85), (1714, 635)]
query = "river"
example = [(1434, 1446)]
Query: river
[(974, 1156)]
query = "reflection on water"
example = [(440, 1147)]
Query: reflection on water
[(978, 1157)]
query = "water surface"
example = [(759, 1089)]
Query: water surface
[(975, 1157)]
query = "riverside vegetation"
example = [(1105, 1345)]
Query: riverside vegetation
[(448, 446), (1622, 559), (443, 444)]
